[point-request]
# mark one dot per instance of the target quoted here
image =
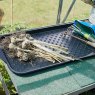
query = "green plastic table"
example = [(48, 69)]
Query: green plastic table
[(68, 79)]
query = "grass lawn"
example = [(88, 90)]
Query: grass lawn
[(37, 13)]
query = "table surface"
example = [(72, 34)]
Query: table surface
[(58, 81)]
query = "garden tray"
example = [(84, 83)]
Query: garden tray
[(54, 35)]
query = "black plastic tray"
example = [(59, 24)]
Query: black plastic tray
[(54, 35)]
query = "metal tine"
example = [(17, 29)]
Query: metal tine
[(70, 34), (76, 27), (73, 27), (78, 38)]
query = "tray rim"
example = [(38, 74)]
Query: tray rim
[(53, 27), (39, 28), (45, 67)]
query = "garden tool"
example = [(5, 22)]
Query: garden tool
[(85, 29)]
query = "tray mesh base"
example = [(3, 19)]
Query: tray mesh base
[(57, 36)]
